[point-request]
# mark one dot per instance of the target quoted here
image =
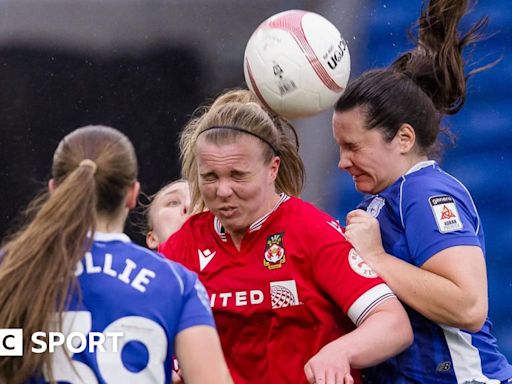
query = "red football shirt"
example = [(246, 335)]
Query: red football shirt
[(295, 285)]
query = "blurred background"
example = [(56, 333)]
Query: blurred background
[(143, 66)]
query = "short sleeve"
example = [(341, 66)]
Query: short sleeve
[(342, 273), (436, 216)]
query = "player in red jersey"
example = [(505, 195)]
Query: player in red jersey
[(293, 302)]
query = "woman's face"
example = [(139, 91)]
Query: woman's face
[(373, 163), (235, 183), (168, 212)]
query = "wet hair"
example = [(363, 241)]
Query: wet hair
[(233, 114), (93, 168), (423, 84)]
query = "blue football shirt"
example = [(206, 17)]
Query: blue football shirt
[(145, 299), (425, 211)]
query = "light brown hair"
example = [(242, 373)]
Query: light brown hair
[(240, 108), (38, 261)]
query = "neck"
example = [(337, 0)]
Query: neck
[(111, 224), (413, 161)]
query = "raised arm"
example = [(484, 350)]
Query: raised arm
[(450, 288)]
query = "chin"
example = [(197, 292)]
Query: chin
[(362, 188)]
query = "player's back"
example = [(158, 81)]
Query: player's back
[(132, 291)]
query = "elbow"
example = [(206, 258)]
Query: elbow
[(473, 318)]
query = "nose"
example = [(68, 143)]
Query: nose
[(345, 161), (186, 207), (224, 189)]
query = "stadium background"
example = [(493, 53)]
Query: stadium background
[(143, 66)]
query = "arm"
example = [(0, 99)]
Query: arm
[(200, 355), (450, 288), (385, 332)]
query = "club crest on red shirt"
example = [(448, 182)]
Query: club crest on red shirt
[(274, 251)]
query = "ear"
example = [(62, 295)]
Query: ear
[(406, 138), (133, 193), (151, 240), (51, 185), (274, 167)]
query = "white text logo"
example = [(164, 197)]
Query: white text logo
[(11, 341)]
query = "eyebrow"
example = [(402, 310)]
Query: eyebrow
[(172, 190)]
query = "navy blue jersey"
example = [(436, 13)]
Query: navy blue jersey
[(128, 289), (422, 213)]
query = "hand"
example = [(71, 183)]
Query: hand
[(328, 366), (363, 232)]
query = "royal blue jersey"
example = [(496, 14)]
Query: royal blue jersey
[(137, 293), (422, 213)]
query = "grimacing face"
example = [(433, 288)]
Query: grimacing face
[(373, 163), (235, 183), (169, 210)]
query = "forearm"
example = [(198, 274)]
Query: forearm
[(383, 334), (449, 288), (434, 296)]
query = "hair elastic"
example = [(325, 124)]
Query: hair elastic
[(89, 163), (238, 129)]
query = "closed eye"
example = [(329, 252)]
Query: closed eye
[(208, 177), (237, 175)]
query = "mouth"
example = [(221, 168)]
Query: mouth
[(357, 177), (227, 212)]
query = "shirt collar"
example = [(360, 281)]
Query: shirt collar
[(420, 165), (104, 236), (219, 229)]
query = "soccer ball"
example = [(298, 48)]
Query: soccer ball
[(297, 63)]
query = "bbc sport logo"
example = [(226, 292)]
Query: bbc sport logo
[(11, 341)]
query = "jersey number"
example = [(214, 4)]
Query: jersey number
[(110, 364)]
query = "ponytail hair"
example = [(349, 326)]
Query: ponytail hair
[(92, 170), (436, 65), (241, 109), (423, 84)]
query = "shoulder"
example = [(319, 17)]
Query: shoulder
[(434, 194), (312, 219), (195, 226), (198, 223), (431, 182), (435, 189), (306, 210)]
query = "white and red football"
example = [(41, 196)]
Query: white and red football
[(297, 63)]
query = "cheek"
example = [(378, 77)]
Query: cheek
[(206, 190), (252, 193), (168, 215), (369, 160)]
